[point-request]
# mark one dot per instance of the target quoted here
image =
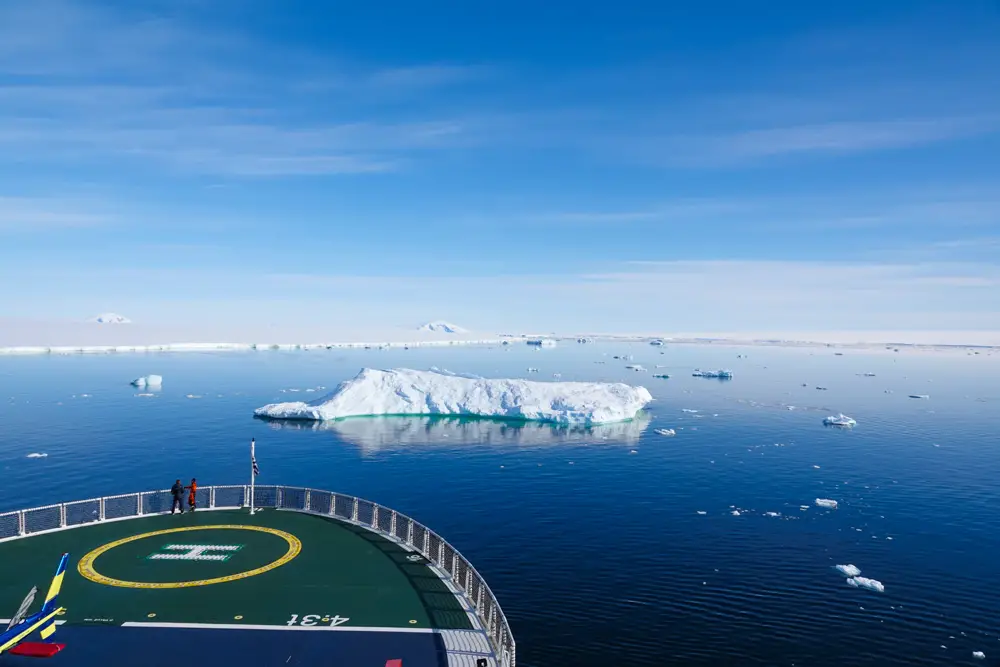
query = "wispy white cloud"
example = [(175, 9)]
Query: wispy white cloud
[(22, 214)]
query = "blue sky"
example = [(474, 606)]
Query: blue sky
[(549, 166)]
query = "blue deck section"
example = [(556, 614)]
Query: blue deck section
[(107, 646)]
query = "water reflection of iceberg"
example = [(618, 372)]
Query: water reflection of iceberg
[(377, 433)]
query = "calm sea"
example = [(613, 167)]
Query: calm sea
[(613, 546)]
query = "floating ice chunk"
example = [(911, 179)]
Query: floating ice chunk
[(636, 367), (826, 502), (410, 392), (719, 374), (542, 342), (772, 514), (665, 431), (192, 396), (148, 381), (662, 376), (849, 570), (701, 512), (978, 655), (919, 396), (146, 395), (840, 420), (865, 582), (735, 512), (688, 410), (656, 341), (532, 370), (37, 455)]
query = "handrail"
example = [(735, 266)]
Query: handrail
[(358, 511)]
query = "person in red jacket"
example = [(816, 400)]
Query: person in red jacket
[(193, 494)]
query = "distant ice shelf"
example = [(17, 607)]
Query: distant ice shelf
[(410, 392)]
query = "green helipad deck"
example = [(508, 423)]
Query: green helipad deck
[(239, 585)]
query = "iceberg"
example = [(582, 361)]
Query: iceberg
[(978, 655), (839, 420), (826, 502), (720, 374), (665, 431), (849, 570), (865, 582), (403, 391), (37, 455), (440, 326), (148, 381)]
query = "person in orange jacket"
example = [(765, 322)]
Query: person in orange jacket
[(193, 494)]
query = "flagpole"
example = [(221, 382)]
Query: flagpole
[(252, 475)]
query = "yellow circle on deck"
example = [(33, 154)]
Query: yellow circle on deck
[(86, 564)]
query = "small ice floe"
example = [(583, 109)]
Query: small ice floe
[(148, 381), (735, 512), (821, 388), (702, 512), (662, 376), (665, 431), (84, 395), (772, 514), (816, 467), (919, 396), (145, 395), (310, 390), (803, 507), (978, 655), (689, 410), (636, 367), (868, 375), (826, 502), (865, 582), (192, 396), (719, 374), (849, 570), (37, 455), (532, 370), (841, 420), (633, 451)]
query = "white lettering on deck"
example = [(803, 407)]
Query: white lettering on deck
[(197, 552)]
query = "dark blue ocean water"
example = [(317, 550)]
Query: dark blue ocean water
[(591, 540)]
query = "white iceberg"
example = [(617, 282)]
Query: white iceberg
[(110, 318), (849, 570), (840, 420), (978, 655), (719, 374), (865, 582), (665, 431), (408, 392), (826, 502), (656, 341), (148, 381), (639, 368), (37, 455), (440, 326)]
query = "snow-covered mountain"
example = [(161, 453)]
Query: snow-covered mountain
[(110, 318), (442, 327)]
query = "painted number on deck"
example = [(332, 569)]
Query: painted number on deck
[(330, 620)]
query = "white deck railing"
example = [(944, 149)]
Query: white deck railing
[(382, 520)]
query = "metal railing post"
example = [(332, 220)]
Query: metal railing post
[(375, 518), (138, 504), (354, 510), (409, 533), (20, 523), (308, 503), (102, 510), (277, 497), (392, 523), (211, 496), (333, 504), (62, 515), (246, 495), (425, 548)]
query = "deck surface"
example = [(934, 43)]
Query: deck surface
[(276, 588)]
